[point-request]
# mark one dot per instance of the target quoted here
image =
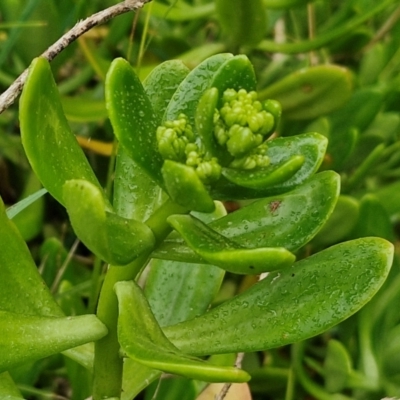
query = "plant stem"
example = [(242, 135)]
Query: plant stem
[(108, 363)]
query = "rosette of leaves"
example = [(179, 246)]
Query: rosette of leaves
[(185, 140), (214, 137)]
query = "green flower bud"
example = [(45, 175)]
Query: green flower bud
[(173, 138), (256, 159), (243, 122), (209, 171), (242, 140)]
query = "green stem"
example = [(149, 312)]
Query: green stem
[(107, 361)]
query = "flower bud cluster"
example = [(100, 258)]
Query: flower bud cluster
[(257, 158), (173, 137), (241, 125), (176, 142)]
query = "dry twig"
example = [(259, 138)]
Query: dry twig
[(225, 389), (9, 96)]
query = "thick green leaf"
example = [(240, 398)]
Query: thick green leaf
[(292, 304), (191, 89), (132, 117), (187, 289), (235, 73), (115, 239), (311, 92), (266, 177), (175, 388), (290, 220), (50, 146), (142, 339), (22, 289), (227, 254), (135, 196), (136, 377), (244, 22), (204, 120), (26, 338), (311, 146), (185, 187), (162, 82)]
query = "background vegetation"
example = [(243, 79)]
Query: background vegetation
[(335, 67)]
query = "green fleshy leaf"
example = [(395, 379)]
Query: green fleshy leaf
[(185, 187), (235, 73), (136, 377), (22, 289), (227, 254), (281, 309), (27, 338), (311, 92), (134, 195), (50, 146), (290, 220), (132, 117), (263, 178), (115, 239), (191, 89), (311, 146), (142, 339), (188, 290), (204, 120), (162, 83)]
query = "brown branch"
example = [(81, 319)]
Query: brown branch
[(225, 389), (9, 96)]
